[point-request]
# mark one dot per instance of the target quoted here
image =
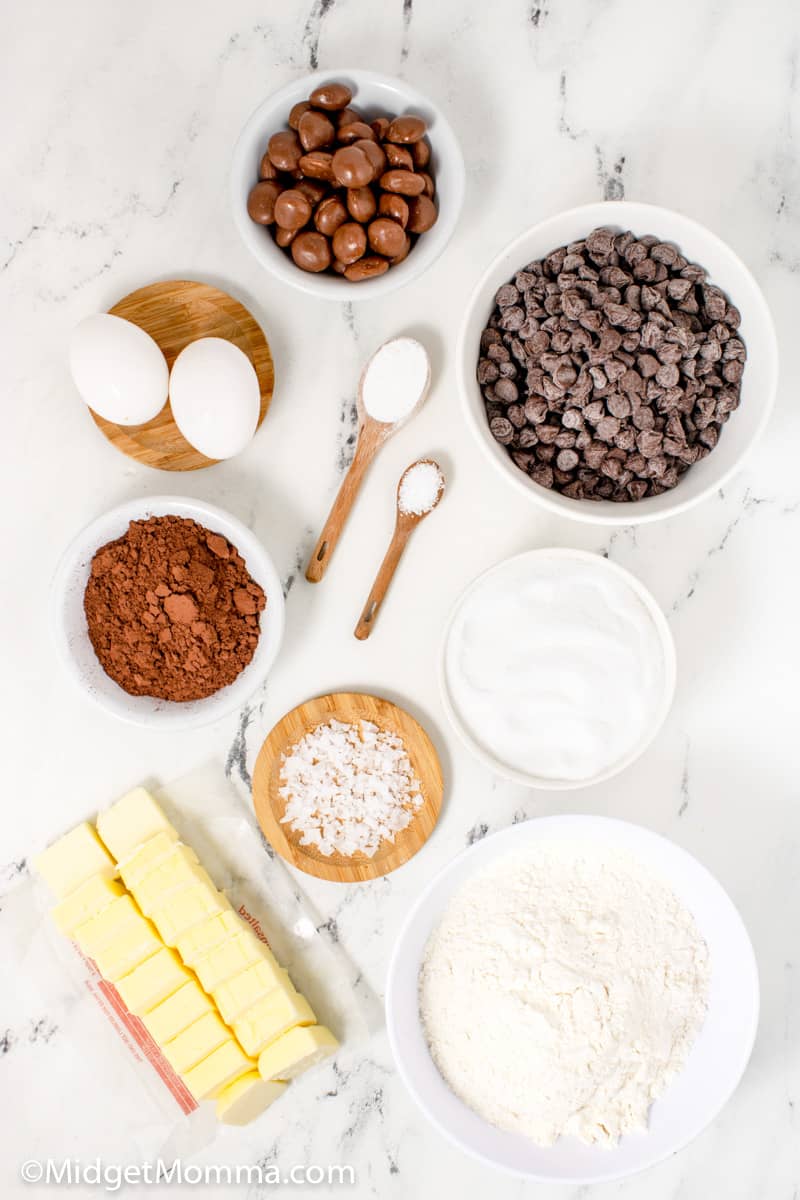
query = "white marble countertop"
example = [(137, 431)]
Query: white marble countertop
[(122, 120)]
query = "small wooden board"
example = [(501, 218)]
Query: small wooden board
[(349, 707), (175, 313)]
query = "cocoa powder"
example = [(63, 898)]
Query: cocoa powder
[(172, 610)]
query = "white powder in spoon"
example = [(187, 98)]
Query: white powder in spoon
[(395, 379), (420, 488)]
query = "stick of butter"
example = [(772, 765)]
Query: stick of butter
[(177, 871), (184, 909), (137, 942), (296, 1051), (177, 1012), (99, 932), (148, 856), (223, 1065), (134, 819), (272, 1016), (238, 994), (87, 900), (195, 1043), (73, 859), (230, 958), (247, 1098), (208, 934), (152, 981)]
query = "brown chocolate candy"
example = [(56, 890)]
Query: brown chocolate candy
[(406, 183), (351, 167), (374, 153), (406, 129), (366, 268), (284, 150), (261, 201), (331, 96), (386, 237), (311, 251), (398, 156), (422, 214), (296, 112), (398, 258), (394, 206), (317, 164), (379, 127), (330, 214), (421, 153), (354, 131), (349, 242), (314, 130), (285, 237), (361, 204), (292, 209), (312, 189), (347, 116), (267, 169)]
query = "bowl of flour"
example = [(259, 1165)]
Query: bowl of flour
[(572, 999), (557, 668)]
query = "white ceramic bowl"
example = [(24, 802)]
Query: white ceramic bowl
[(659, 713), (715, 1064), (725, 268), (373, 93), (72, 638)]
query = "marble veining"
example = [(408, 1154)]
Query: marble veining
[(114, 173)]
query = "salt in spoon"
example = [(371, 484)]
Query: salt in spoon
[(393, 386), (418, 493)]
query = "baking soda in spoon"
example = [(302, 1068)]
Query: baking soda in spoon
[(393, 385), (394, 380), (420, 488)]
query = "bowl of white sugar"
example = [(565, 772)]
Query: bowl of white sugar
[(557, 668), (572, 999)]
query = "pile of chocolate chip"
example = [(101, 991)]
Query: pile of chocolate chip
[(609, 367), (344, 194)]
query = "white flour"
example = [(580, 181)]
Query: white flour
[(562, 991), (395, 380)]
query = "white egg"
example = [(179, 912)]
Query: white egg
[(215, 397), (118, 369)]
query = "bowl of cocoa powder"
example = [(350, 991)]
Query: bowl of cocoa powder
[(167, 612)]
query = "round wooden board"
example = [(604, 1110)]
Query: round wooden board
[(175, 313), (349, 707)]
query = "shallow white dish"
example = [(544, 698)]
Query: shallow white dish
[(373, 93), (72, 639), (725, 268), (659, 714), (715, 1064)]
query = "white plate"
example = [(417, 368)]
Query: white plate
[(72, 638), (716, 1062), (659, 713), (725, 269)]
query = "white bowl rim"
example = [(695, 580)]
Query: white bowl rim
[(607, 512), (229, 698), (667, 648), (328, 287), (507, 840)]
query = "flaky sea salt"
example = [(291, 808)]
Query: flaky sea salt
[(348, 787)]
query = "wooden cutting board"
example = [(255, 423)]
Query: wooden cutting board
[(349, 707), (175, 313)]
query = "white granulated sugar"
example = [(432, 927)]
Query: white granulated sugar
[(420, 488), (562, 992), (395, 380), (348, 787)]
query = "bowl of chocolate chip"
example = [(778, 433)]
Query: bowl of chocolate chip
[(617, 363), (167, 612), (347, 185)]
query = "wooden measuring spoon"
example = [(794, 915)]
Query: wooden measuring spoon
[(406, 522), (372, 433)]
